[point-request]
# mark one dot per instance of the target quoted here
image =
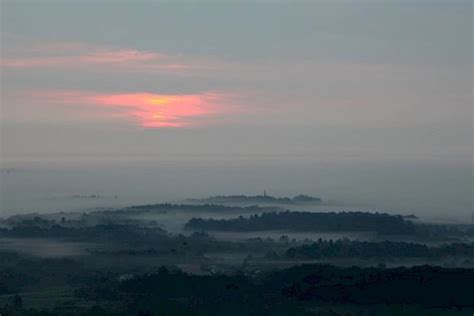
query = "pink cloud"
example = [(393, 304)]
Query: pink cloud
[(121, 56), (28, 54), (94, 58), (148, 110)]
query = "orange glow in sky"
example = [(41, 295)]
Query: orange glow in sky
[(160, 110), (147, 110)]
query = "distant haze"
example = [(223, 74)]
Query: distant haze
[(365, 104)]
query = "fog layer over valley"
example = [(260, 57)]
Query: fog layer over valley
[(108, 250), (104, 226), (435, 192), (100, 256)]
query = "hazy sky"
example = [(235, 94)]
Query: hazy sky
[(366, 80)]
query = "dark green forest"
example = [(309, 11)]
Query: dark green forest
[(126, 262)]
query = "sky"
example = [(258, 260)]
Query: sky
[(297, 77), (288, 81)]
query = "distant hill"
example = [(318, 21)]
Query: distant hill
[(299, 199), (381, 223), (309, 221)]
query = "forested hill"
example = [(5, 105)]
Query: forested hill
[(258, 199), (326, 249), (309, 221)]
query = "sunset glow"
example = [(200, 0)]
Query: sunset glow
[(148, 110), (155, 110)]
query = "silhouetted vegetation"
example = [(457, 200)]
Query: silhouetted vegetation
[(309, 221), (385, 249), (193, 208), (258, 199), (116, 271), (96, 233), (302, 290), (381, 223)]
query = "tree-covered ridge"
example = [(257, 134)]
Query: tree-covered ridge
[(323, 249), (117, 272), (423, 285), (380, 223), (147, 216), (309, 221), (168, 207), (294, 291), (135, 240), (128, 233), (114, 215), (301, 198)]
